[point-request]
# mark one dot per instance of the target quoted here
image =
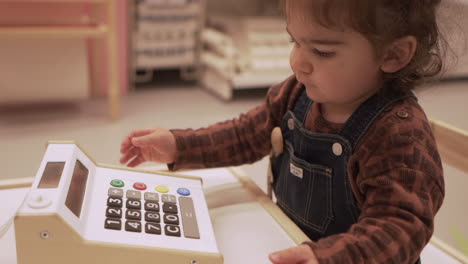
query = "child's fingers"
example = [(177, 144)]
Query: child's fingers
[(141, 132), (143, 141), (131, 153), (299, 254), (126, 145), (127, 142), (136, 161)]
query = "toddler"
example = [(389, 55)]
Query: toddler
[(355, 164)]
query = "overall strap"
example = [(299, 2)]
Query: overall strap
[(367, 112), (302, 106)]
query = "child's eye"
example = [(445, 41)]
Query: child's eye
[(323, 54)]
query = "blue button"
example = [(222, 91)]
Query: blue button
[(183, 191)]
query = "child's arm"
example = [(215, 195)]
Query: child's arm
[(244, 139), (233, 142)]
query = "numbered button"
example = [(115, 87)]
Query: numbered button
[(172, 230), (152, 217), (114, 192), (171, 219), (152, 228), (131, 194), (114, 212), (133, 226), (114, 224), (114, 202), (133, 204), (149, 206), (170, 208), (133, 214), (168, 198), (152, 197)]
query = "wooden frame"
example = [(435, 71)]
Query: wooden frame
[(109, 29), (452, 143)]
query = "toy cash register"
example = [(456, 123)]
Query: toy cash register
[(78, 211)]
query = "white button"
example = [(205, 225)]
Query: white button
[(337, 149), (38, 201), (291, 123)]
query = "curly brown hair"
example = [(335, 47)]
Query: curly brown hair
[(384, 21)]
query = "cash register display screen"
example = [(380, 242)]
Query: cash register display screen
[(77, 189), (51, 175)]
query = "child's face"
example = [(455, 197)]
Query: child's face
[(336, 67)]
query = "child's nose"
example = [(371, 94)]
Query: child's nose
[(299, 63)]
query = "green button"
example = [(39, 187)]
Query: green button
[(117, 183)]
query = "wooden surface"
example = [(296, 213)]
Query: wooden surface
[(452, 143)]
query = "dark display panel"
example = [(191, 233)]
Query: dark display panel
[(51, 175), (76, 192)]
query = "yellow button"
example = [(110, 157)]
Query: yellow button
[(162, 189)]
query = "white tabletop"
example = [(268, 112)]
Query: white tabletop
[(236, 215)]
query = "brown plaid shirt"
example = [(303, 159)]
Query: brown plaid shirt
[(395, 172)]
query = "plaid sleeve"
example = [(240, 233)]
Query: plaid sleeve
[(245, 139), (398, 182)]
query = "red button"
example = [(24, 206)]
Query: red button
[(139, 186)]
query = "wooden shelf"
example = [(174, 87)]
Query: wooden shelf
[(53, 1), (54, 31), (108, 30)]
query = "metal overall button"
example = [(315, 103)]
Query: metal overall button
[(337, 149), (291, 123), (402, 114)]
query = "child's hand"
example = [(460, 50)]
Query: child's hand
[(152, 144), (301, 254)]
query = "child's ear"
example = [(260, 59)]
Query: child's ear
[(398, 54)]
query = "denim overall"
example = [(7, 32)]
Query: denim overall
[(310, 178)]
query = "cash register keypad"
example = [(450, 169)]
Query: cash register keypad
[(132, 209)]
